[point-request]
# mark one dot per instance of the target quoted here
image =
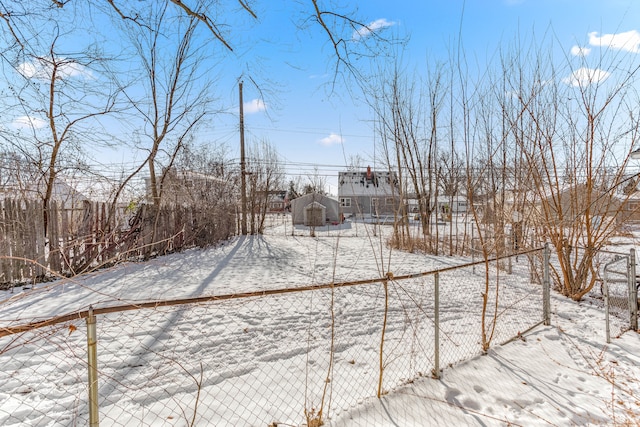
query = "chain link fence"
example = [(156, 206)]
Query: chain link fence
[(284, 357), (619, 290)]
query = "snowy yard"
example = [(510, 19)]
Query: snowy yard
[(265, 360)]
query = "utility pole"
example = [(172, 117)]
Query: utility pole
[(243, 174)]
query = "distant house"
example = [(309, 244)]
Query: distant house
[(567, 204), (71, 205), (368, 193), (277, 201), (315, 210), (630, 208), (66, 196), (444, 205), (184, 187), (453, 205)]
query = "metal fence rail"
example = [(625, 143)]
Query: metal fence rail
[(284, 357)]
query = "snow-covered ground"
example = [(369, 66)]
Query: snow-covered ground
[(263, 360)]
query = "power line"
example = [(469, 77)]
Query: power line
[(308, 131), (311, 132)]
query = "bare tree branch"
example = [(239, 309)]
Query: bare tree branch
[(205, 20), (5, 18), (246, 7)]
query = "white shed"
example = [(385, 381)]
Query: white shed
[(314, 210)]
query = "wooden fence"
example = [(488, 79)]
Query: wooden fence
[(82, 239)]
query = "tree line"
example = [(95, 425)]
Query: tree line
[(539, 144), (538, 140), (143, 76)]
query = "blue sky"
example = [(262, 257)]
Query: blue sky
[(313, 123), (310, 125)]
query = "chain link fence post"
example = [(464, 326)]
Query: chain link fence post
[(473, 249), (436, 321), (510, 253), (546, 291), (532, 263), (605, 289), (633, 291), (92, 359)]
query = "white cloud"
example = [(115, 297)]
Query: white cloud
[(254, 106), (318, 76), (586, 76), (73, 69), (629, 41), (580, 51), (28, 69), (372, 27), (29, 122), (332, 139), (512, 94), (42, 70)]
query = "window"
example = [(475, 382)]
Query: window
[(388, 201), (345, 202)]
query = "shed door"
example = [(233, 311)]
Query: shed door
[(315, 216)]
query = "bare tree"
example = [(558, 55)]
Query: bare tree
[(578, 146), (450, 173), (266, 178), (62, 99), (176, 95), (350, 38), (17, 174), (407, 121), (316, 183), (200, 181), (549, 149)]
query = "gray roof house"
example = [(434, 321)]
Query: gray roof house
[(369, 193)]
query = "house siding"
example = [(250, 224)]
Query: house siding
[(370, 193)]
